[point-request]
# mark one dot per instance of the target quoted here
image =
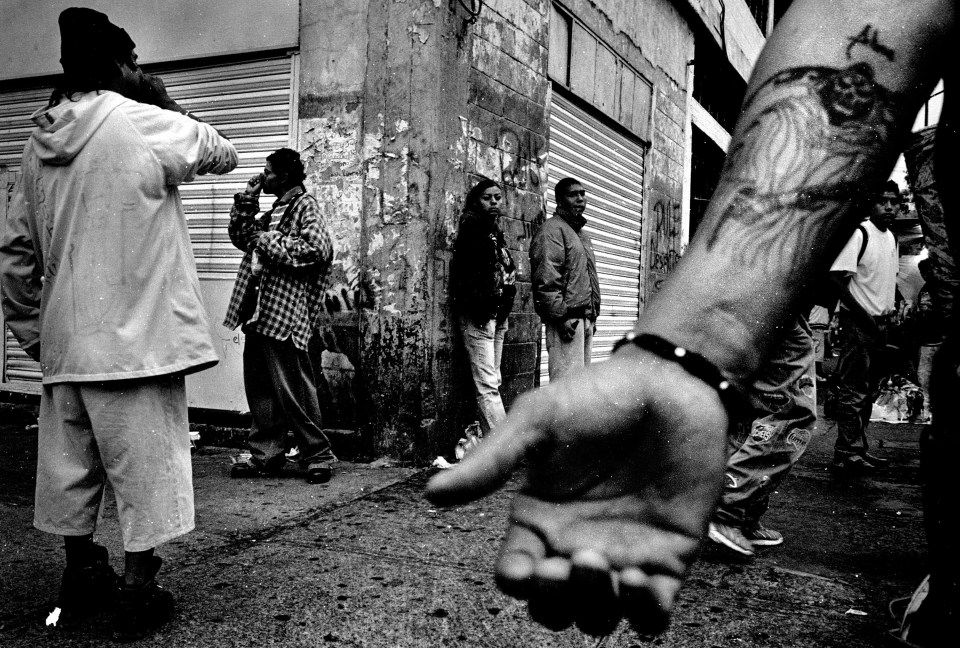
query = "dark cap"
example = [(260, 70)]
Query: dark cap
[(88, 38)]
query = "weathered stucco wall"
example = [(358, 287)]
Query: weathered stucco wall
[(415, 89), (664, 212), (734, 29), (333, 61), (403, 104), (652, 35)]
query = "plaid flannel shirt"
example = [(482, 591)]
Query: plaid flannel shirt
[(295, 254)]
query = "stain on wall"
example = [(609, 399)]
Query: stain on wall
[(665, 189), (391, 153)]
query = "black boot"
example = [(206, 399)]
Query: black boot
[(87, 586), (142, 609)]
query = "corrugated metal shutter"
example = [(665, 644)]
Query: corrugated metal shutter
[(610, 165), (250, 102)]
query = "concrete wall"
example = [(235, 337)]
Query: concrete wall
[(652, 35), (329, 133), (733, 27), (402, 106), (415, 92)]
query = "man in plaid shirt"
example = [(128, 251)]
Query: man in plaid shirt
[(276, 300)]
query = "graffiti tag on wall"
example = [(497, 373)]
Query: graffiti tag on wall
[(665, 240)]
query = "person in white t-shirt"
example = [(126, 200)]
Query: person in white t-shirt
[(867, 270)]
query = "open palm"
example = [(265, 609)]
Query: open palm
[(625, 464)]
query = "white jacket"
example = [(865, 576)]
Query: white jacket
[(95, 263)]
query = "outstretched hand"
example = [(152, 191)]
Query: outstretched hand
[(625, 465)]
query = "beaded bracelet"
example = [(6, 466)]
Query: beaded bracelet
[(694, 364)]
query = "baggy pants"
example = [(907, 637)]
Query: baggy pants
[(763, 451), (860, 369), (279, 383)]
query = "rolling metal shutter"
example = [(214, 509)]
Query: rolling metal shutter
[(250, 102), (18, 372), (610, 165)]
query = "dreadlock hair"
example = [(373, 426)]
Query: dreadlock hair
[(98, 75)]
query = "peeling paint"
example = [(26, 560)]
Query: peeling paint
[(416, 34), (422, 17), (403, 185)]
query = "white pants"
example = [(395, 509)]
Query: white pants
[(133, 433)]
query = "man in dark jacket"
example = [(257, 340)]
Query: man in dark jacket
[(566, 290)]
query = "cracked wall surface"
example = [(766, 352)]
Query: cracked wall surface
[(406, 106)]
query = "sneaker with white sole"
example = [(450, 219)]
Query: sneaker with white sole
[(731, 538), (761, 536)]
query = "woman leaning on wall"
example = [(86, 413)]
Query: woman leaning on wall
[(483, 288)]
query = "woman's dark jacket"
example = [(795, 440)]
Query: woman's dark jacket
[(476, 283)]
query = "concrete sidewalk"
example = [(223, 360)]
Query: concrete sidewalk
[(366, 561)]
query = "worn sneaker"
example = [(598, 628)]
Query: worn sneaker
[(141, 610), (730, 537), (761, 536), (84, 589), (245, 466)]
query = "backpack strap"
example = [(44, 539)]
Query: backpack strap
[(863, 243)]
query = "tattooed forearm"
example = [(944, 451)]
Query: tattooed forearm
[(809, 151), (871, 38)]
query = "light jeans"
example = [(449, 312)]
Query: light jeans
[(764, 449), (484, 344), (566, 356)]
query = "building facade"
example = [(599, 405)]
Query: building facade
[(397, 107)]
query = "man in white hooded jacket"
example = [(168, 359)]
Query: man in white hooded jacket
[(99, 284)]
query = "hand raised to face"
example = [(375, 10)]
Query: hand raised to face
[(254, 185)]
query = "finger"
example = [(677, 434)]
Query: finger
[(647, 600), (490, 464), (592, 580), (551, 604), (521, 551)]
